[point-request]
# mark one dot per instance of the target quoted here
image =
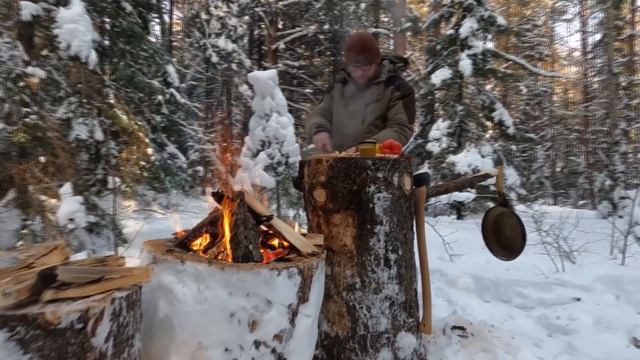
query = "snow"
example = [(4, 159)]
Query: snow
[(36, 71), (524, 309), (10, 350), (75, 33), (173, 75), (271, 148), (71, 213), (10, 221), (465, 65), (519, 310), (441, 75), (468, 26), (126, 6), (473, 159), (28, 10), (206, 312), (502, 117), (86, 129)]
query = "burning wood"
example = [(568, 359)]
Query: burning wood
[(242, 230)]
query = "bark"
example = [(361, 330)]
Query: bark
[(245, 234), (364, 209), (460, 184), (105, 326), (400, 36), (586, 102)]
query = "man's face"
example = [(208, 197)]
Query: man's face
[(362, 74)]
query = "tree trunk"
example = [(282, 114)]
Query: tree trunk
[(364, 208), (105, 326), (586, 102), (399, 35)]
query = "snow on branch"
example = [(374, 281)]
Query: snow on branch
[(524, 63), (304, 32)]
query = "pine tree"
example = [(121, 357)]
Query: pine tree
[(94, 102), (462, 119)]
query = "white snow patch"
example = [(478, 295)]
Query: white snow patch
[(465, 65), (10, 350), (468, 26), (472, 160), (71, 213), (126, 6), (502, 117), (86, 129), (198, 311), (173, 75), (36, 72), (76, 34), (405, 345), (441, 75), (28, 10)]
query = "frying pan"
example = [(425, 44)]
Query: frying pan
[(503, 232)]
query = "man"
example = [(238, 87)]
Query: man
[(369, 100)]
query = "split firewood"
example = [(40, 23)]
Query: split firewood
[(32, 257), (184, 241), (27, 285), (298, 241), (83, 274), (139, 276), (315, 239)]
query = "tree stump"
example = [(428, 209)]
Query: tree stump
[(104, 326), (365, 209), (199, 308)]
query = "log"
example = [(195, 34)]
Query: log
[(199, 308), (105, 326), (245, 233), (460, 184), (364, 208)]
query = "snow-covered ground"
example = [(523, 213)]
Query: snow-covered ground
[(523, 309)]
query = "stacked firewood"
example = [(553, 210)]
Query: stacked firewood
[(43, 273)]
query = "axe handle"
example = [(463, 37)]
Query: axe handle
[(426, 322)]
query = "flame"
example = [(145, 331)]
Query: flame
[(200, 243), (225, 227)]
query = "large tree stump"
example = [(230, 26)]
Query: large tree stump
[(199, 308), (104, 326), (365, 209)]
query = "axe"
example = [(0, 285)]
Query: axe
[(420, 183)]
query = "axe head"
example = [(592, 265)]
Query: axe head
[(421, 179)]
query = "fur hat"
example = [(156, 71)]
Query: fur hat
[(361, 48)]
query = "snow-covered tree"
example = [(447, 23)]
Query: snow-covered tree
[(462, 119), (91, 100), (270, 155)]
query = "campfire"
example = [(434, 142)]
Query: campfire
[(243, 230)]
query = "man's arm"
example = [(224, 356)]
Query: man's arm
[(401, 114)]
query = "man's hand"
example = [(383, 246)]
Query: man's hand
[(322, 141)]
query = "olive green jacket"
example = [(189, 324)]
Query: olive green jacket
[(385, 109)]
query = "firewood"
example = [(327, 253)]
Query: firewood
[(82, 274), (140, 276), (24, 286), (32, 256), (245, 233), (315, 239), (298, 241), (183, 241)]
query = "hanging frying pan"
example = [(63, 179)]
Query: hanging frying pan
[(503, 231)]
